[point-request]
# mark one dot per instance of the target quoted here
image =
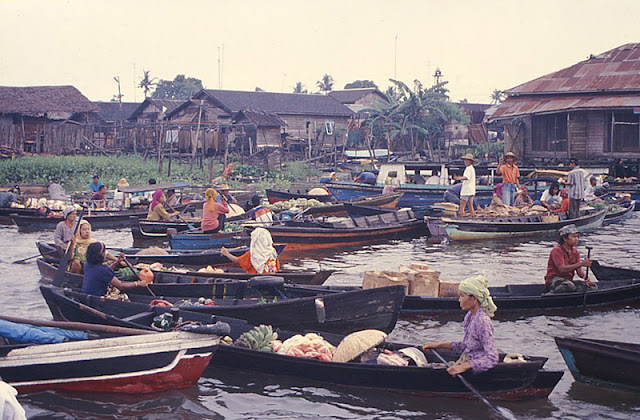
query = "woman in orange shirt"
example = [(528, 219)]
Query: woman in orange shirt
[(211, 211), (261, 258)]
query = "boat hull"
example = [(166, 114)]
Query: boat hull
[(602, 363), (133, 365), (471, 230), (275, 196)]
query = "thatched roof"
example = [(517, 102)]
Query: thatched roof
[(39, 100)]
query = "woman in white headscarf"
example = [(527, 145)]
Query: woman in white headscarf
[(477, 348), (261, 258)]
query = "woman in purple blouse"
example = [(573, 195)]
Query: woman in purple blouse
[(477, 348)]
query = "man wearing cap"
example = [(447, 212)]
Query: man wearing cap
[(95, 184), (468, 190), (575, 181), (510, 177), (564, 261)]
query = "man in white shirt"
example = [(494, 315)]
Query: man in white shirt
[(468, 190)]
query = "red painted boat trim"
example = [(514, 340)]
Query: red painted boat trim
[(183, 374)]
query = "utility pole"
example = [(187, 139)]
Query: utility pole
[(395, 59), (117, 79)]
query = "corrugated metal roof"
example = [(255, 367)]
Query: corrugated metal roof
[(350, 96), (110, 111), (523, 105), (260, 118), (614, 70)]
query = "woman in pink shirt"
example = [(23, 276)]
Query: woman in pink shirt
[(211, 211)]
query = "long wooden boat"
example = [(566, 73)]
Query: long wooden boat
[(623, 213), (506, 381), (602, 363), (197, 240), (340, 313), (414, 195), (135, 364), (607, 273), (384, 201), (274, 196), (48, 271), (189, 258), (303, 235), (155, 229), (483, 228), (516, 300), (99, 219)]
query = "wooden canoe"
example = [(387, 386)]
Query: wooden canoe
[(486, 228), (48, 271), (608, 273), (510, 381), (152, 230), (274, 196), (517, 300), (602, 363), (135, 364), (626, 211), (99, 219), (341, 313), (190, 258), (383, 201), (304, 235)]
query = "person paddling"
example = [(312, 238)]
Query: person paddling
[(98, 277), (564, 261), (477, 348)]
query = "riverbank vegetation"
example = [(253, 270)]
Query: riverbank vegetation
[(76, 172)]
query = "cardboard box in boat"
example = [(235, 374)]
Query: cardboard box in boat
[(373, 279), (448, 288), (425, 284), (418, 282)]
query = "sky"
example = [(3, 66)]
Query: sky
[(479, 45)]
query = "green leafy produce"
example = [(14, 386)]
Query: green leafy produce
[(259, 338), (125, 272)]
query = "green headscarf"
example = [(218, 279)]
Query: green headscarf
[(479, 287)]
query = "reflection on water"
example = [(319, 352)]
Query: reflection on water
[(242, 395)]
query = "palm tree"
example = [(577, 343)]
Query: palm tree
[(326, 83), (147, 82), (497, 96), (299, 88)]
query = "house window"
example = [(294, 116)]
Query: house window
[(549, 133), (626, 137)]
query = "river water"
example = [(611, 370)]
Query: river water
[(242, 395)]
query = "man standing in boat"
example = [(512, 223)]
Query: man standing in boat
[(564, 261), (468, 190), (510, 177), (575, 181)]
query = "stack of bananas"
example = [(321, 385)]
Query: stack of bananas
[(259, 338)]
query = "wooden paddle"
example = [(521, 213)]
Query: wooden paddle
[(34, 256), (502, 412), (62, 267), (584, 296), (189, 225), (135, 272)]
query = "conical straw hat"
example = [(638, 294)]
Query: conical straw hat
[(357, 343)]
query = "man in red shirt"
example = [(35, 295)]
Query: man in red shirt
[(564, 261)]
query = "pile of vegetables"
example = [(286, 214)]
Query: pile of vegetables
[(311, 346), (296, 203), (259, 338), (231, 227)]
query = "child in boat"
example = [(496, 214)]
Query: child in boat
[(478, 347), (261, 258)]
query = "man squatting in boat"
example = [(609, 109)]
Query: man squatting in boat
[(564, 261)]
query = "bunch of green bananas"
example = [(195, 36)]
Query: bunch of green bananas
[(259, 338)]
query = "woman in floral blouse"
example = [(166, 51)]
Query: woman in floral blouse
[(477, 348)]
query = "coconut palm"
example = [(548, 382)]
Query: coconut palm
[(497, 96), (147, 82), (325, 84), (299, 88)]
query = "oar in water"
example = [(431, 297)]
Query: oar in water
[(135, 272), (502, 412), (35, 256), (584, 296), (189, 225), (62, 268)]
